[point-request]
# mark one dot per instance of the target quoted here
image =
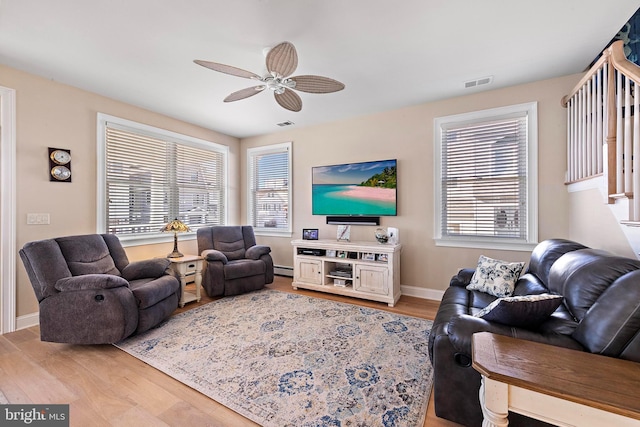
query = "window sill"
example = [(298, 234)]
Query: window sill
[(486, 244), (272, 233), (129, 240)]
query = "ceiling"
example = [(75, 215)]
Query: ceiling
[(389, 54)]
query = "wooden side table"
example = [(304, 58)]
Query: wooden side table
[(554, 384), (186, 267)]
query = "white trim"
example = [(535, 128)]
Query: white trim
[(101, 191), (27, 321), (267, 149), (486, 244), (424, 293), (283, 270), (440, 123), (8, 209), (587, 184)]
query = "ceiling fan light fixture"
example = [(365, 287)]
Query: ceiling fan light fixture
[(279, 84)]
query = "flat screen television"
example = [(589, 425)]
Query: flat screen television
[(365, 188)]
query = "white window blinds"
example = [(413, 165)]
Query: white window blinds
[(485, 188), (269, 192), (152, 179)]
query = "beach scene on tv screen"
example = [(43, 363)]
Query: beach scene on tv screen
[(367, 188)]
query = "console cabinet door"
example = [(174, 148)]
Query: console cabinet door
[(308, 271), (371, 279)]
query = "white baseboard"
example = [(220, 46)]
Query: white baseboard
[(425, 293), (283, 270), (27, 321)]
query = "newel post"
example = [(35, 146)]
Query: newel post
[(612, 124)]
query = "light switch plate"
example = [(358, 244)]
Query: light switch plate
[(38, 219)]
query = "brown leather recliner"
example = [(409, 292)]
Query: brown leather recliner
[(89, 292), (234, 264), (599, 314)]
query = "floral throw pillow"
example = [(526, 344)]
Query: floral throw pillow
[(495, 277), (523, 311)]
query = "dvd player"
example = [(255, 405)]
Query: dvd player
[(309, 251)]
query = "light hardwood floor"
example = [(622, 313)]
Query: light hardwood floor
[(106, 387)]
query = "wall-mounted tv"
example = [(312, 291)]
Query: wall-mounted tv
[(365, 188)]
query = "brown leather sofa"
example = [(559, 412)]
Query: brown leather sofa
[(234, 263), (600, 313), (89, 292)]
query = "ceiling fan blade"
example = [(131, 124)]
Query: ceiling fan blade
[(228, 69), (282, 59), (289, 100), (317, 84), (244, 93)]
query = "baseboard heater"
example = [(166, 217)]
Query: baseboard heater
[(282, 270), (354, 220)]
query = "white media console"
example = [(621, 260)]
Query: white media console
[(358, 269)]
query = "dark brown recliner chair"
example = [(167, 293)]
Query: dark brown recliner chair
[(234, 264), (89, 292)]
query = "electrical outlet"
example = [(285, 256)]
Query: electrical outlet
[(38, 219)]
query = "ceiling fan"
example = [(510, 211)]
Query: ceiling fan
[(282, 61)]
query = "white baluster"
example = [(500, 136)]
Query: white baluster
[(619, 136), (636, 154), (628, 176)]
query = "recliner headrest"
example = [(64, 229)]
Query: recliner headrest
[(546, 253), (582, 276)]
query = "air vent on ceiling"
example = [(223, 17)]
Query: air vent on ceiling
[(287, 123), (478, 82)]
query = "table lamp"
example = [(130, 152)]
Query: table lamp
[(176, 226)]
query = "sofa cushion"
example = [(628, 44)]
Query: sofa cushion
[(548, 252), (495, 277), (612, 324), (90, 281), (529, 284), (243, 268), (526, 311), (145, 269), (584, 275), (149, 292), (230, 241), (88, 254)]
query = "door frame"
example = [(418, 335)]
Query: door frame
[(7, 209)]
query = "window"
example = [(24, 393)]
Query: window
[(149, 176), (269, 189), (486, 178)]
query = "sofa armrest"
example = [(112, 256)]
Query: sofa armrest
[(90, 281), (214, 255), (461, 328), (146, 269), (255, 252), (463, 278)]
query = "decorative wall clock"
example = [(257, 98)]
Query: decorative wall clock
[(59, 165)]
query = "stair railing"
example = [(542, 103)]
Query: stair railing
[(602, 130)]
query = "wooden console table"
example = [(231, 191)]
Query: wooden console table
[(554, 384)]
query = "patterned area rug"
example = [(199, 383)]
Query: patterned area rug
[(283, 359)]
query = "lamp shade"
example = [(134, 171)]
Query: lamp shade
[(176, 226)]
